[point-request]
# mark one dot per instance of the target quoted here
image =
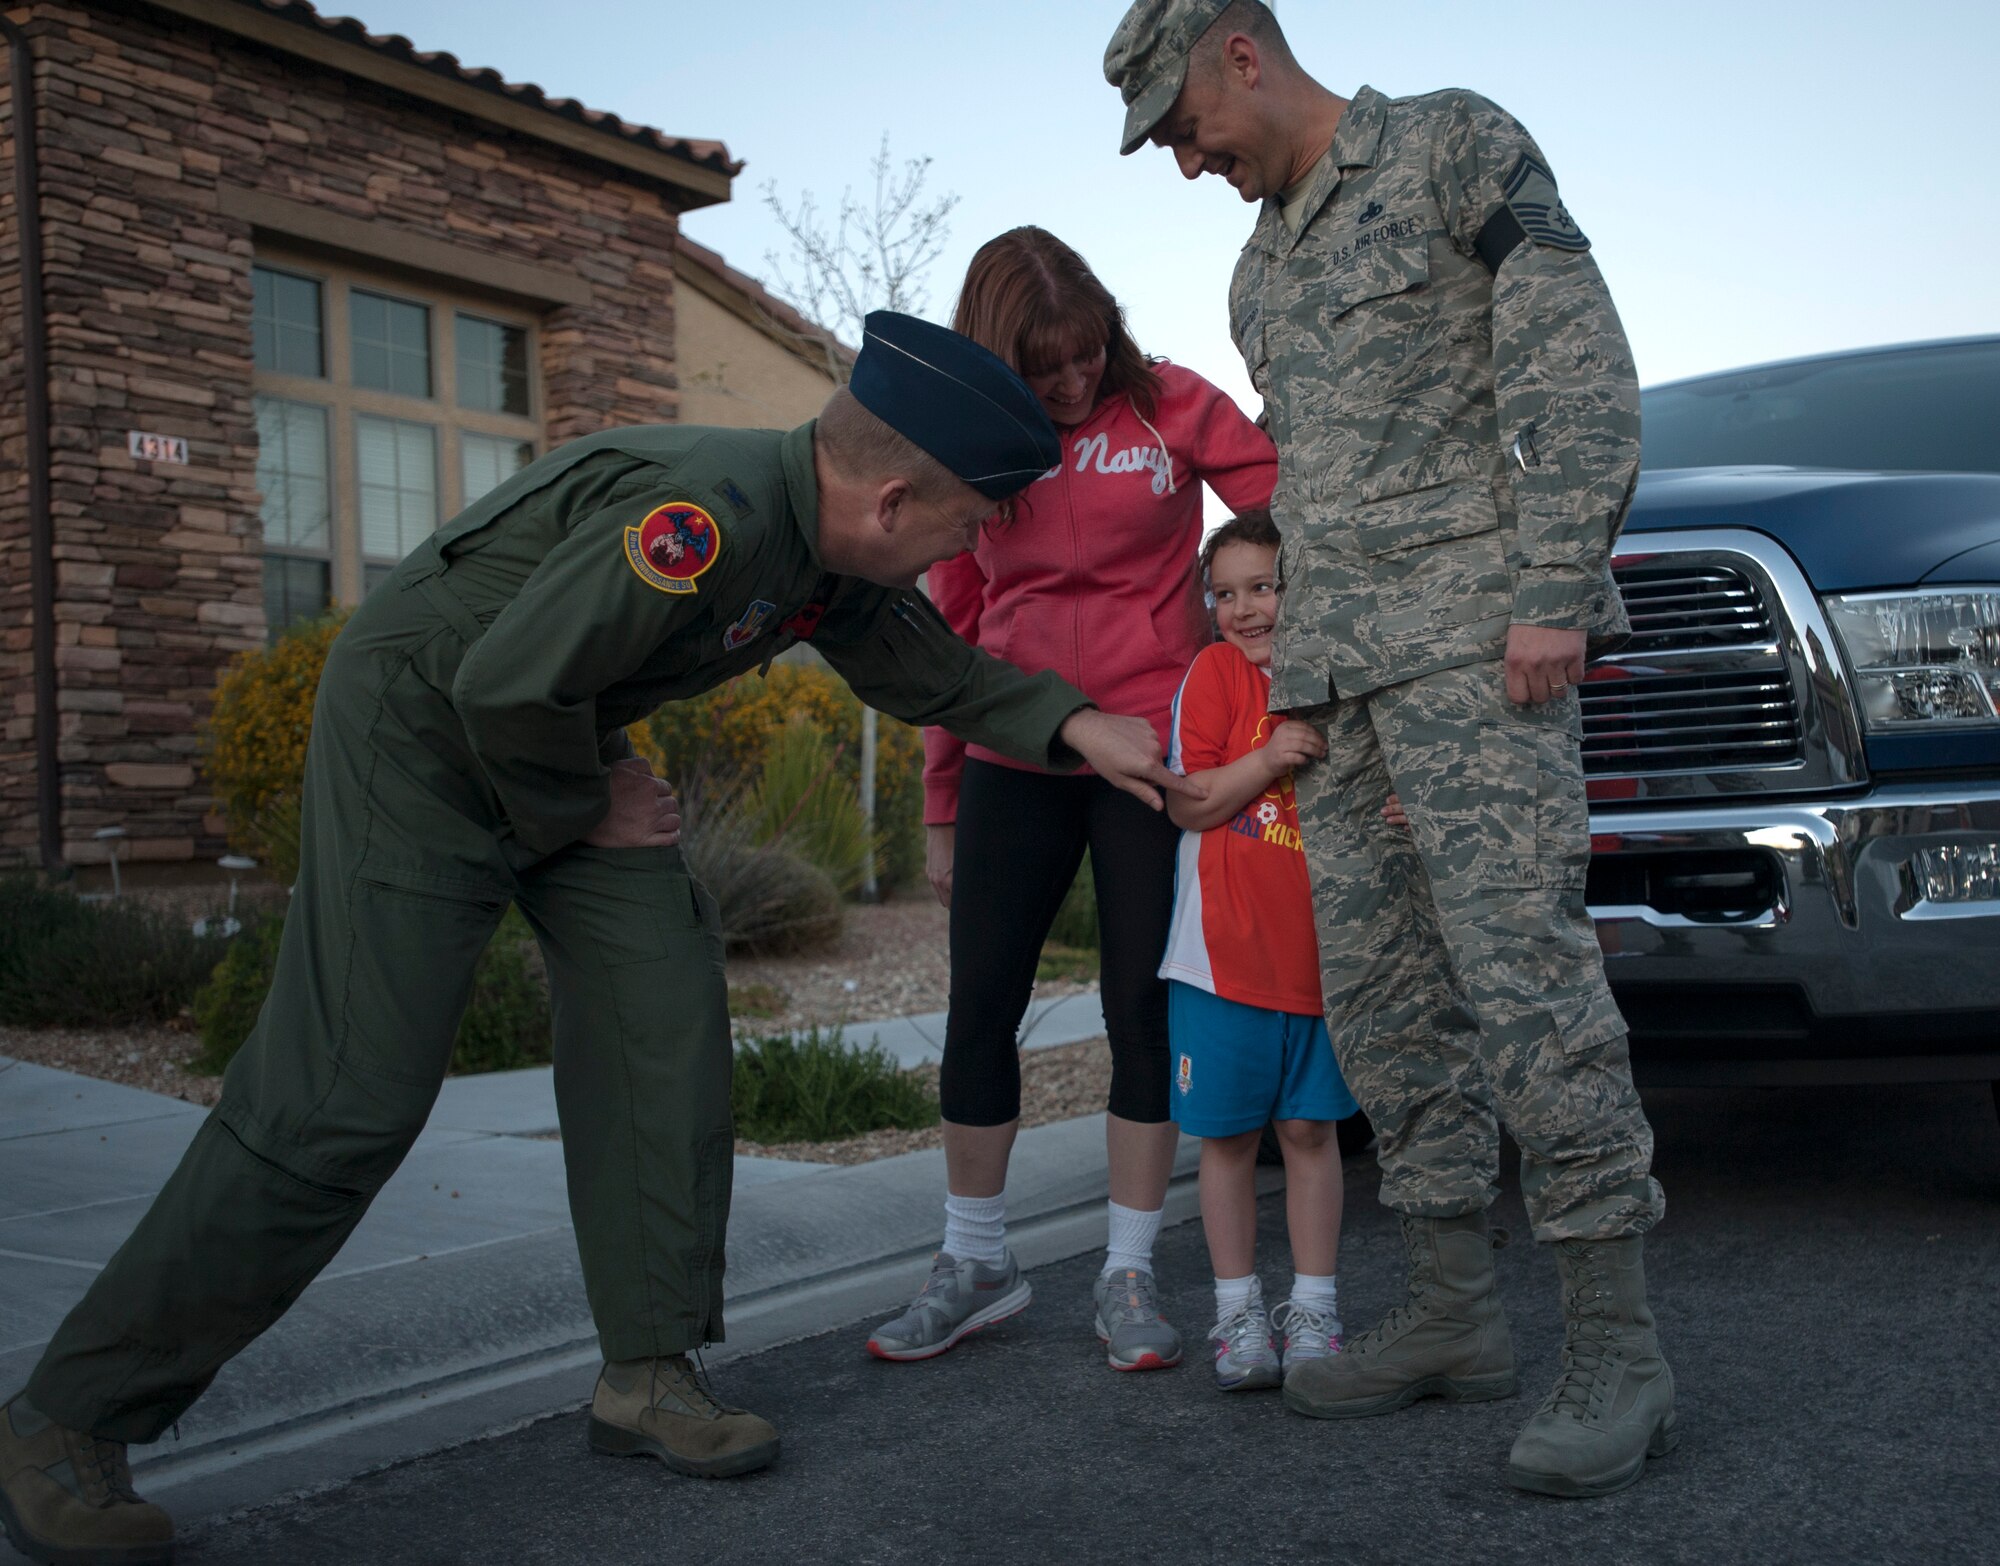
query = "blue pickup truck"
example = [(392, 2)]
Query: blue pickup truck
[(1794, 763)]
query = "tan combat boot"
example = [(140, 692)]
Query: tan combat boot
[(1448, 1339), (1613, 1404), (662, 1408), (67, 1497)]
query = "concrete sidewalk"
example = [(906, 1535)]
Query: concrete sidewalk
[(457, 1306), (1063, 1019)]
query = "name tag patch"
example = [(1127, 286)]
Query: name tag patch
[(672, 546)]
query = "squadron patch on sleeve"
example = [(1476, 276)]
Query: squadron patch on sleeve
[(672, 546), (1531, 195), (749, 625)]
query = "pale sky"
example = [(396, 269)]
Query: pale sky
[(1760, 178)]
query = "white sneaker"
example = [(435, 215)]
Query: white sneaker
[(958, 1298), (1245, 1358), (1308, 1333)]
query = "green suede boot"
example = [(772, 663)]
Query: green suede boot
[(663, 1408), (1613, 1404), (1448, 1339), (67, 1497)]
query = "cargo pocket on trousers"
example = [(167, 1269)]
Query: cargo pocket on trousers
[(1535, 821), (647, 911)]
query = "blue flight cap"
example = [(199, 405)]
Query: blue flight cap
[(950, 397)]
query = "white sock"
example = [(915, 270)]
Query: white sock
[(1232, 1294), (1132, 1236), (1314, 1293), (975, 1227)]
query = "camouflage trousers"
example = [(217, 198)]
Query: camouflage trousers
[(1462, 975)]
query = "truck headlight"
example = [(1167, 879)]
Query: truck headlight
[(1928, 656)]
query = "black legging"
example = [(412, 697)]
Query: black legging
[(1021, 836)]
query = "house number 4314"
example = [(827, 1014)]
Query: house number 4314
[(157, 448)]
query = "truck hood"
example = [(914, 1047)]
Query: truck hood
[(1849, 531)]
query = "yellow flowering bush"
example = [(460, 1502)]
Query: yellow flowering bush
[(254, 746)]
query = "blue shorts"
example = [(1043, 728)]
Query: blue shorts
[(1238, 1066)]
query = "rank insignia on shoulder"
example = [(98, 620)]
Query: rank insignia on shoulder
[(672, 546), (732, 492), (1530, 194), (749, 625)]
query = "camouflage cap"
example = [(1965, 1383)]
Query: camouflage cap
[(1147, 57)]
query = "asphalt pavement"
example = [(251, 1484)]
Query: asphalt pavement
[(1828, 1286)]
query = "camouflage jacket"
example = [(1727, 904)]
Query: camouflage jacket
[(1453, 399)]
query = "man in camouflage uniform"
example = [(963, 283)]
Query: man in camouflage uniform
[(1457, 418)]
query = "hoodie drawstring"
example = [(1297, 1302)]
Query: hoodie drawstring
[(1168, 455)]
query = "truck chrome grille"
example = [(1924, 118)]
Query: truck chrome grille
[(1676, 607), (1702, 686)]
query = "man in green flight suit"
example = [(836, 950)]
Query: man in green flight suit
[(1457, 420), (468, 751)]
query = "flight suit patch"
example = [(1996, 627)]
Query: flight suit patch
[(672, 546), (748, 626), (1530, 194)]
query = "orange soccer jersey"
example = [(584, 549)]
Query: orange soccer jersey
[(1242, 926)]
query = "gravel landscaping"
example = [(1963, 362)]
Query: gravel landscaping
[(890, 961)]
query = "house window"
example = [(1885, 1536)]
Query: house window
[(285, 323), (487, 463), (396, 471), (392, 344), (492, 366), (383, 409), (292, 473)]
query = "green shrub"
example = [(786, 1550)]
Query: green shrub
[(272, 836), (68, 963), (1076, 919), (718, 740), (801, 802), (506, 1022), (771, 901), (226, 1007), (1067, 962), (819, 1088)]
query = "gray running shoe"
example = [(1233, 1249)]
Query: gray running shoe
[(958, 1298), (1129, 1324), (1244, 1357), (1308, 1333)]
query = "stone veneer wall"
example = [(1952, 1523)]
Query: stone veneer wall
[(143, 119)]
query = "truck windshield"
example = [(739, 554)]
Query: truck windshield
[(1916, 410)]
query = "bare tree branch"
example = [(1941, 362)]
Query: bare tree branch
[(867, 258)]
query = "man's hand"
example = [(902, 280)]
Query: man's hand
[(940, 848), (1542, 662), (643, 813), (1125, 752), (1292, 744)]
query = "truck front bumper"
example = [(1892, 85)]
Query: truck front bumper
[(1806, 941)]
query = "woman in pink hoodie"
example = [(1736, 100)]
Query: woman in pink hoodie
[(1093, 576)]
